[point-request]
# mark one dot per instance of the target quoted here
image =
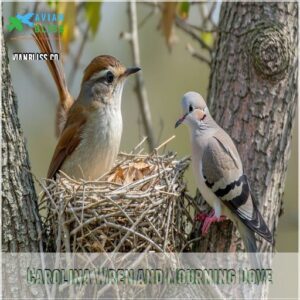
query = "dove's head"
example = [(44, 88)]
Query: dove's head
[(195, 111)]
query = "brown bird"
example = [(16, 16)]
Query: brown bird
[(90, 128)]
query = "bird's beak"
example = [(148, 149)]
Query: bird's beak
[(180, 120), (130, 71)]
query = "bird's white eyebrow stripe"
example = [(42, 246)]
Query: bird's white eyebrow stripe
[(99, 75)]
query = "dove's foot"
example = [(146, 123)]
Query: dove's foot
[(208, 219)]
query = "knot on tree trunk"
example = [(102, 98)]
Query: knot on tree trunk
[(269, 50)]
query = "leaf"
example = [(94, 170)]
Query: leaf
[(141, 165), (52, 4), (167, 21), (117, 176), (184, 8), (68, 9), (130, 175), (139, 175), (207, 38), (93, 15), (97, 246)]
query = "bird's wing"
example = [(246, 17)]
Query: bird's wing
[(68, 141), (223, 174)]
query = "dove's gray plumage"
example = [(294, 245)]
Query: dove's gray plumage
[(219, 171)]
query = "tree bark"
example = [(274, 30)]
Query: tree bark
[(20, 221), (253, 96), (21, 226)]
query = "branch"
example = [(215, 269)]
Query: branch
[(208, 18), (147, 17), (140, 86), (194, 54), (203, 29), (78, 56), (190, 31)]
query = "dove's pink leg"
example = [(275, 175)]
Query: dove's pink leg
[(208, 219)]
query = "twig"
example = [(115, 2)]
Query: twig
[(167, 229), (164, 143), (77, 58), (202, 10), (202, 29), (132, 228), (136, 233), (190, 31), (194, 54), (140, 86), (208, 18), (139, 144), (98, 216), (147, 17), (35, 7)]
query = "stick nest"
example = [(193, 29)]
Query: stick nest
[(140, 206)]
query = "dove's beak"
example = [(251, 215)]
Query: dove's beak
[(179, 121)]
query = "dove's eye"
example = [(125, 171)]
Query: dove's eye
[(191, 108)]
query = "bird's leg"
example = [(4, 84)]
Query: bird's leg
[(208, 219), (201, 216)]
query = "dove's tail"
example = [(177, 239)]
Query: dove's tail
[(249, 240), (66, 101)]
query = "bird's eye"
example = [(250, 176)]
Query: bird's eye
[(191, 108), (110, 77)]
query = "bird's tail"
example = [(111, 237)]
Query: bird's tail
[(56, 69), (249, 240), (248, 237)]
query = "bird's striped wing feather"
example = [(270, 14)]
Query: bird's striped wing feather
[(223, 174)]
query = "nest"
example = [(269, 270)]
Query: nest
[(139, 206)]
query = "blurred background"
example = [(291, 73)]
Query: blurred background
[(169, 70)]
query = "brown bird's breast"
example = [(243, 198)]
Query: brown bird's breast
[(99, 146)]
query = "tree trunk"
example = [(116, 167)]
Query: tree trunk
[(253, 95), (21, 227), (20, 221)]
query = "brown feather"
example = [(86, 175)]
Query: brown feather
[(56, 69), (69, 139), (100, 63)]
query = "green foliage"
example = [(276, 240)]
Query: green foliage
[(52, 4), (93, 15), (207, 38), (184, 8), (69, 9)]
